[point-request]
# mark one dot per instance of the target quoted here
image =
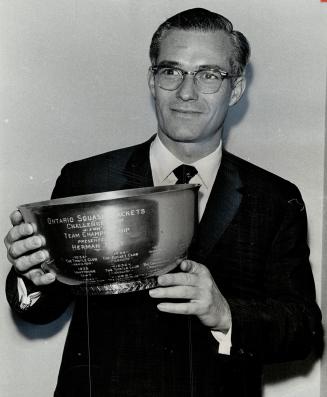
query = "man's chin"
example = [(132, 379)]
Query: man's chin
[(181, 137), (185, 138)]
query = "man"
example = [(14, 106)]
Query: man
[(246, 294)]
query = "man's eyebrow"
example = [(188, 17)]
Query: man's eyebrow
[(165, 63), (170, 63), (212, 67)]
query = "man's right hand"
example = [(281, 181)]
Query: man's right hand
[(25, 251)]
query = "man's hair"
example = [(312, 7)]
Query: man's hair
[(200, 19)]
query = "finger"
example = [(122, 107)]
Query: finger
[(16, 217), (18, 232), (178, 279), (22, 247), (178, 292), (178, 308), (26, 262), (39, 278)]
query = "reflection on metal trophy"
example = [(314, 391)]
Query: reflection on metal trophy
[(114, 242)]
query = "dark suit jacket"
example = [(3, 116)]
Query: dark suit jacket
[(252, 237)]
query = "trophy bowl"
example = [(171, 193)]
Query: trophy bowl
[(118, 241)]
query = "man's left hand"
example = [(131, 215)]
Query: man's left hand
[(203, 299)]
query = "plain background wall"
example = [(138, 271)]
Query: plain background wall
[(73, 84)]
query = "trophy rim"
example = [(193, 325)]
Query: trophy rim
[(112, 195)]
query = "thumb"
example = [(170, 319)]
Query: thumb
[(39, 278), (16, 218), (189, 266)]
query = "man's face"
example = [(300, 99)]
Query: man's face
[(186, 114)]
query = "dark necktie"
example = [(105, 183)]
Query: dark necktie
[(184, 173)]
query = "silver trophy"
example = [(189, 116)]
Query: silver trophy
[(119, 241)]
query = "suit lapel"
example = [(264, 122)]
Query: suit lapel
[(223, 203), (137, 170)]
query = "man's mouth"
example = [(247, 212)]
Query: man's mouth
[(186, 111)]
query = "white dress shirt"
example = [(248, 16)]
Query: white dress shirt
[(163, 163)]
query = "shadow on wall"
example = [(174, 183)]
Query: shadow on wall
[(44, 331), (275, 373)]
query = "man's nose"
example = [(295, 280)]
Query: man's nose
[(187, 90)]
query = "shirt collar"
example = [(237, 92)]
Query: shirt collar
[(163, 162)]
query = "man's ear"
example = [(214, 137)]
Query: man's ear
[(237, 90), (151, 82)]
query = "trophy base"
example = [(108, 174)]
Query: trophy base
[(115, 288)]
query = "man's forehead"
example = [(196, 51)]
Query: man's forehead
[(196, 48)]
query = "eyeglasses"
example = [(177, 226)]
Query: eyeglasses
[(208, 81)]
